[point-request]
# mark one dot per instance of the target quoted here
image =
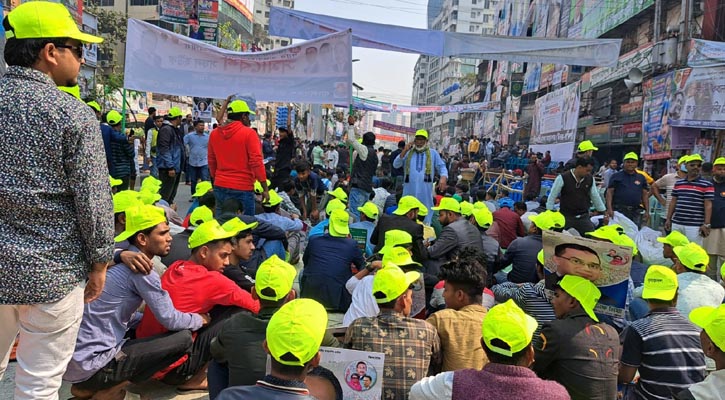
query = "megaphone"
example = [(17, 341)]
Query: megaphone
[(635, 75), (630, 84)]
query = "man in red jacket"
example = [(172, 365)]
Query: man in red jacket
[(198, 284), (235, 159)]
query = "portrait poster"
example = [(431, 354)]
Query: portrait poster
[(360, 373), (202, 110), (607, 265)]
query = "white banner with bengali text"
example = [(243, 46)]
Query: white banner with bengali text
[(556, 116), (316, 71)]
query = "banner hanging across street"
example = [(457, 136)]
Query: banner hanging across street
[(371, 105), (317, 71), (587, 52), (393, 128)]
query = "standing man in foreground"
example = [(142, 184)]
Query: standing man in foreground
[(56, 232), (420, 164), (363, 168), (690, 209), (235, 159), (627, 192)]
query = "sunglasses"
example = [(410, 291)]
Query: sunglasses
[(78, 50)]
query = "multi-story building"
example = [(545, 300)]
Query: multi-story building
[(261, 17), (436, 77)]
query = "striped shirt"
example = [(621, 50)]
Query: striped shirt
[(691, 197), (531, 298), (665, 347)]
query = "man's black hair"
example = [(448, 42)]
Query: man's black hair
[(26, 52), (530, 197), (152, 110), (270, 209), (463, 186), (584, 162), (302, 166), (287, 185), (368, 139), (157, 116), (560, 249), (467, 272), (208, 199), (497, 358), (401, 144), (325, 373), (520, 205), (481, 195), (212, 245), (133, 239), (232, 206), (197, 122), (543, 200)]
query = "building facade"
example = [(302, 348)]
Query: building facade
[(261, 17)]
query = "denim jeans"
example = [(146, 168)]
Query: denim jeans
[(357, 198), (154, 170), (245, 198), (196, 174), (169, 185), (217, 376)]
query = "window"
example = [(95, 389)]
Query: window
[(471, 28), (473, 14), (266, 14), (106, 3), (487, 4), (144, 2), (485, 18), (283, 42), (287, 3), (259, 11), (266, 28)]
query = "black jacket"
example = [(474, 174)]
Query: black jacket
[(390, 222)]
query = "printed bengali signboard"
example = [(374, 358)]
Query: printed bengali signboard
[(658, 109), (555, 122), (699, 99), (592, 18)]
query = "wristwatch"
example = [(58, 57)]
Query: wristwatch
[(706, 225), (370, 267)]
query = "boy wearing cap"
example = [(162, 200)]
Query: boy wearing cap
[(690, 209), (171, 154), (585, 149), (669, 243), (714, 242), (465, 280), (327, 262), (198, 285), (411, 346), (695, 288), (521, 253), (506, 339), (293, 337), (712, 338), (403, 218), (56, 184), (235, 158), (577, 350), (368, 215), (272, 215), (238, 356), (96, 369), (121, 152), (483, 218), (322, 227), (628, 191), (663, 346)]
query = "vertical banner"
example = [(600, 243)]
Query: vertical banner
[(699, 98), (315, 71), (90, 50), (555, 122), (607, 265), (655, 114)]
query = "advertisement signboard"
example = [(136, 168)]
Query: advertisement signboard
[(555, 122)]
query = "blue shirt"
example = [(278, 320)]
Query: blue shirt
[(284, 223), (627, 188), (319, 229), (106, 320), (197, 145), (327, 262)]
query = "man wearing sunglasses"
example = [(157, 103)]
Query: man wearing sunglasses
[(56, 214)]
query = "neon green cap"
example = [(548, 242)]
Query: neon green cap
[(94, 105), (407, 203), (449, 204), (208, 232), (202, 188), (719, 161), (484, 217), (631, 156), (584, 291), (391, 282), (200, 215), (712, 320), (151, 184), (236, 225), (370, 210), (258, 189), (124, 200), (479, 204), (74, 91), (693, 256), (274, 199), (339, 223), (45, 20), (297, 328), (139, 218), (149, 198), (674, 239), (399, 256), (394, 238), (174, 112), (113, 118), (334, 204), (508, 323), (586, 146), (274, 275), (466, 208), (542, 221), (558, 220), (239, 106), (660, 283), (114, 182), (339, 193), (683, 159), (422, 132), (694, 157)]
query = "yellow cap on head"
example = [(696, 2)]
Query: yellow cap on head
[(394, 238), (200, 215), (295, 332), (391, 282), (45, 20), (407, 203), (466, 208), (693, 257), (586, 146), (422, 132), (113, 118), (660, 283), (334, 204), (114, 182), (484, 217), (208, 232), (236, 225), (449, 204), (124, 200), (339, 223), (712, 320), (339, 193), (399, 256), (584, 291), (508, 323), (274, 279), (274, 199), (139, 218), (239, 106), (174, 112), (202, 188), (370, 210), (631, 156), (674, 239)]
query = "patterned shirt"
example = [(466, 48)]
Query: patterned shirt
[(410, 346), (56, 213), (691, 197)]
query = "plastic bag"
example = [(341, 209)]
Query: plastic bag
[(650, 248)]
